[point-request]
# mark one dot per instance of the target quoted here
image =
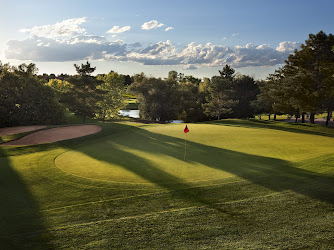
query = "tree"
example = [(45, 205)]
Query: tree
[(310, 73), (245, 91), (83, 95), (159, 99), (27, 70), (60, 86), (219, 97), (25, 100), (263, 104), (139, 77), (84, 69), (191, 99), (304, 83), (227, 72), (172, 75), (112, 100), (127, 80)]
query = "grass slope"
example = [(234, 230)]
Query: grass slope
[(244, 185)]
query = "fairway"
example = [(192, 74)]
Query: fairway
[(243, 184)]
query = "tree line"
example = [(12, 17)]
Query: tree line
[(28, 99), (304, 85), (191, 99)]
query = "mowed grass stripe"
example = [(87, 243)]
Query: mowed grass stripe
[(234, 224), (137, 196), (176, 210)]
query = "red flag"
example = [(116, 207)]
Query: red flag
[(186, 130)]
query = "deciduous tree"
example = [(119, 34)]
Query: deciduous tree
[(112, 100)]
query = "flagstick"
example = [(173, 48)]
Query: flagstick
[(185, 147)]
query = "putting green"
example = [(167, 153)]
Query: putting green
[(155, 154)]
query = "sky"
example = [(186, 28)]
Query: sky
[(130, 36)]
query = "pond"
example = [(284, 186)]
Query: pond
[(135, 114), (130, 113)]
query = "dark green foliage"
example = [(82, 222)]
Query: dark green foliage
[(191, 100), (305, 83), (127, 80), (159, 99), (219, 97), (25, 100), (263, 104), (84, 69), (230, 95), (227, 72), (172, 75), (83, 95), (245, 91)]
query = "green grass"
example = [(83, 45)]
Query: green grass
[(245, 184), (5, 138)]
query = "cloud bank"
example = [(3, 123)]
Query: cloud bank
[(67, 41)]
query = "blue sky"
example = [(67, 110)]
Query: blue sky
[(193, 37)]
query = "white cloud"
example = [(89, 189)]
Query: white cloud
[(117, 29), (154, 24), (235, 34), (65, 28), (169, 28), (189, 67), (287, 46)]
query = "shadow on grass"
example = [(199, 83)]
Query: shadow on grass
[(274, 174), (18, 212)]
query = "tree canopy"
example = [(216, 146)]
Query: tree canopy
[(82, 96), (25, 100)]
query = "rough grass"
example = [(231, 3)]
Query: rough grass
[(245, 184)]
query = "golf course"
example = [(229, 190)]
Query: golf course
[(241, 184)]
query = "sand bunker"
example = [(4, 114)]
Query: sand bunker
[(18, 130), (55, 134)]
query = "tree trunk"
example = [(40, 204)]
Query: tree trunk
[(83, 119), (269, 116), (274, 116), (296, 118), (312, 117), (329, 115), (303, 117)]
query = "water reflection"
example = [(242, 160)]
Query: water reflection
[(134, 113), (130, 113)]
